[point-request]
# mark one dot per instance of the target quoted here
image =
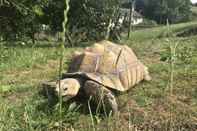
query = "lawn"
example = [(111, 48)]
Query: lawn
[(168, 102)]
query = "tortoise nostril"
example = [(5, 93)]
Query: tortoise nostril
[(56, 92)]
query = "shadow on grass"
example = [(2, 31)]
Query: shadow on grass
[(38, 44), (42, 44), (51, 100)]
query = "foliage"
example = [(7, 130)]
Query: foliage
[(54, 14), (20, 18), (94, 17), (88, 19)]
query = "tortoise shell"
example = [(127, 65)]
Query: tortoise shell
[(112, 65)]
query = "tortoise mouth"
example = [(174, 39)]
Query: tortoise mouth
[(64, 97), (64, 93), (60, 93)]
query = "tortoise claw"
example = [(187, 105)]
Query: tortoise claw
[(111, 100)]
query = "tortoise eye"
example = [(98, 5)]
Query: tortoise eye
[(65, 87)]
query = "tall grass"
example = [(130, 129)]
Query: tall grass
[(25, 57), (64, 23)]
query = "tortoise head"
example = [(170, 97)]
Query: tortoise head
[(67, 88)]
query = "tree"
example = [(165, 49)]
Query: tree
[(92, 17), (161, 10), (88, 19), (20, 18), (54, 14)]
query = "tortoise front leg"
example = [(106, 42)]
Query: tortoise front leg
[(101, 96), (48, 91)]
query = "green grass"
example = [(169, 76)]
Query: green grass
[(194, 9), (159, 32), (194, 12), (147, 106)]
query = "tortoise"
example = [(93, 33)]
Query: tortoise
[(100, 70)]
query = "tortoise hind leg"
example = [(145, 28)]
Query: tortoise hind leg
[(110, 100), (101, 96)]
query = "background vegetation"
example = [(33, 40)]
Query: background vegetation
[(88, 19), (160, 10)]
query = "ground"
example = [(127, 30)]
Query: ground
[(168, 102)]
